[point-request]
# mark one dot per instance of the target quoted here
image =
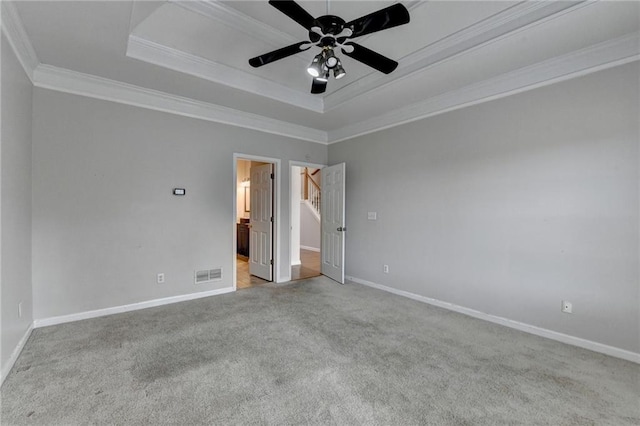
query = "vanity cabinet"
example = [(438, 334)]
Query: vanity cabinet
[(243, 239)]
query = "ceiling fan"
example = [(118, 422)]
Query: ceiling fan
[(330, 32)]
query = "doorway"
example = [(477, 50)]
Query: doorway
[(255, 221), (306, 219)]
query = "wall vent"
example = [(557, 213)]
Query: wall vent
[(208, 275)]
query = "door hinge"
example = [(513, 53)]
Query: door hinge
[(271, 219), (272, 261), (272, 176)]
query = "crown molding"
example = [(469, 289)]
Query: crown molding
[(239, 21), (178, 60), (585, 61), (504, 23), (17, 37), (63, 80), (236, 20), (582, 62)]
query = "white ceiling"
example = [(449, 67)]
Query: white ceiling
[(191, 57)]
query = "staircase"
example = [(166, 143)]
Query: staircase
[(311, 190)]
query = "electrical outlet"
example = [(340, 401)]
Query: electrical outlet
[(567, 307), (20, 310), (160, 278), (385, 269)]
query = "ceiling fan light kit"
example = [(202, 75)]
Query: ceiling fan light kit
[(330, 59), (322, 64), (316, 66), (324, 77), (339, 72), (330, 32)]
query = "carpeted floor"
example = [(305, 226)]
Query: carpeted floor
[(311, 352)]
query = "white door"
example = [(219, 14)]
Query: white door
[(261, 222), (333, 226)]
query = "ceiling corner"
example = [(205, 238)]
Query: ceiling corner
[(18, 39)]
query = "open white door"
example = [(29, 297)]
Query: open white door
[(261, 235), (333, 222)]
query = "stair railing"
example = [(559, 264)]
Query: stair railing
[(311, 190)]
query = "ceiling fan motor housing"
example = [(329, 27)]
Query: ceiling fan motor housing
[(330, 25)]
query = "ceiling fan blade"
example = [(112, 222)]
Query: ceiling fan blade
[(318, 86), (294, 11), (371, 58), (267, 58), (388, 17)]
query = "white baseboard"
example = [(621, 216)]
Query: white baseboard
[(6, 369), (527, 328), (317, 249), (44, 322), (296, 262)]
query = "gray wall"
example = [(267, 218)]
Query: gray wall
[(104, 219), (309, 227), (15, 188), (509, 207)]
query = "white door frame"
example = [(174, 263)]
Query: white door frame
[(293, 164), (276, 213)]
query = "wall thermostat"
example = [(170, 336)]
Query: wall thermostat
[(179, 191)]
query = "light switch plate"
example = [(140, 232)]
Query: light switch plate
[(372, 215)]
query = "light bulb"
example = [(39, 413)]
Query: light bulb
[(324, 77), (330, 58), (339, 72), (315, 67)]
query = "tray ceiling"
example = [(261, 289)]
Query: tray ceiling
[(451, 53)]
